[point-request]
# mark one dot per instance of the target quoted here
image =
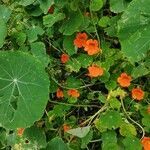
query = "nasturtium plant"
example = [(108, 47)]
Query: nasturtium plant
[(74, 74)]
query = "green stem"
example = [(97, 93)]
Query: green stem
[(98, 112), (74, 105), (143, 132), (64, 87)]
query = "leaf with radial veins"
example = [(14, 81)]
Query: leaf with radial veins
[(134, 30), (24, 88)]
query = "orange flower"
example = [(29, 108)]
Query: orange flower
[(20, 131), (146, 143), (80, 40), (73, 93), (66, 127), (137, 94), (59, 93), (124, 80), (92, 47), (95, 71), (64, 58)]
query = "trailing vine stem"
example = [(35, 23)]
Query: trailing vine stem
[(89, 121), (73, 105), (64, 87), (123, 107)]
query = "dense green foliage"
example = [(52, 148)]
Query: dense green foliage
[(49, 99)]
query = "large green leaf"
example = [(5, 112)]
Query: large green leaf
[(134, 30), (118, 6), (4, 13), (3, 32), (24, 88)]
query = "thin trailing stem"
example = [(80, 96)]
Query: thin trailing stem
[(90, 120), (74, 105), (143, 131), (64, 87)]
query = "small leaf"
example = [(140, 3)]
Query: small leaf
[(104, 21), (57, 144), (26, 2), (45, 5), (50, 19), (111, 85), (131, 143), (127, 129), (20, 38), (38, 49), (111, 119), (109, 141), (35, 137), (115, 103), (72, 23), (96, 5), (79, 132), (84, 60), (87, 139), (73, 65), (139, 71), (33, 33), (72, 82), (68, 45)]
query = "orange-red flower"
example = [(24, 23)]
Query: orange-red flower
[(124, 80), (20, 131), (92, 47), (80, 40), (137, 94), (59, 93), (146, 143), (64, 58), (95, 71), (66, 127), (73, 93)]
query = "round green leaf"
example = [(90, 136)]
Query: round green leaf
[(131, 143), (127, 129), (96, 5), (24, 88), (57, 144), (111, 119)]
